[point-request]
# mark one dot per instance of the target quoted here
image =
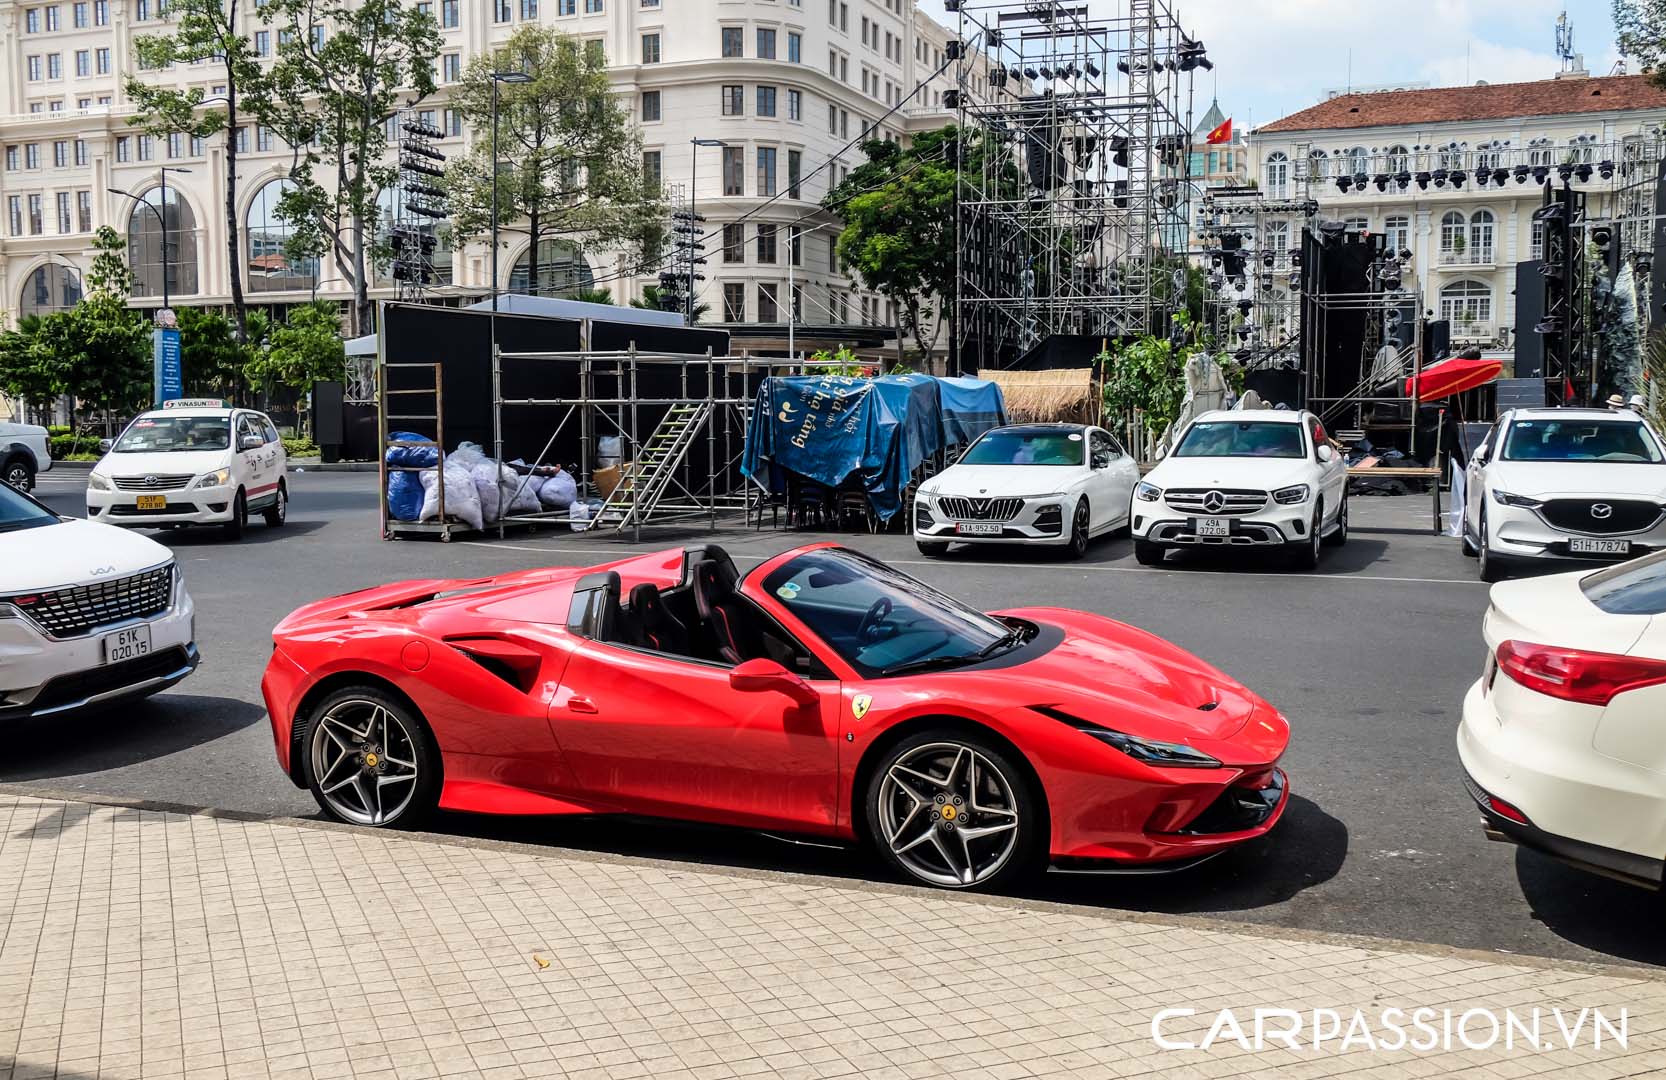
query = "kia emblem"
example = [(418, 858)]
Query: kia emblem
[(1601, 511), (1213, 501)]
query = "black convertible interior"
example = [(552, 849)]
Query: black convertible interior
[(704, 617)]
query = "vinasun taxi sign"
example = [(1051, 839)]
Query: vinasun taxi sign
[(196, 403)]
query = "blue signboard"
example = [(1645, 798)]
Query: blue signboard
[(170, 371)]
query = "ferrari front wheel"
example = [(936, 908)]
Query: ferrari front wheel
[(953, 810), (370, 759)]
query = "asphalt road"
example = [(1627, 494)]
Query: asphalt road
[(1369, 657)]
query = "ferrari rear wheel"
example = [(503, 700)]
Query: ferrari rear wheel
[(952, 810), (370, 760)]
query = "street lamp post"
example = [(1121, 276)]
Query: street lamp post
[(499, 77), (694, 160), (161, 220)]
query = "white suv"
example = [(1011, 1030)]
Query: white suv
[(24, 451), (88, 614), (192, 462), (1564, 484), (1266, 478)]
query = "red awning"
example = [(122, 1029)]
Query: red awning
[(1454, 377)]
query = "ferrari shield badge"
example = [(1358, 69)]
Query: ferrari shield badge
[(859, 705)]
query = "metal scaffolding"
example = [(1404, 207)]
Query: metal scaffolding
[(1071, 169)]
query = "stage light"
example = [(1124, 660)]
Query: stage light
[(1360, 180), (1381, 180), (1343, 183), (1405, 253), (1092, 70), (1403, 178), (1391, 281), (1246, 306), (1457, 177), (1481, 177), (1601, 236), (1122, 66), (1069, 71), (1295, 281), (1583, 171), (1564, 171), (1540, 174), (1499, 176), (1521, 174), (1606, 168), (1549, 212), (1550, 324), (1029, 73), (1267, 259), (1439, 177), (1046, 72)]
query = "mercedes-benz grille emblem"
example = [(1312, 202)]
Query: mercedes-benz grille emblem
[(1601, 511), (151, 481), (1213, 501)]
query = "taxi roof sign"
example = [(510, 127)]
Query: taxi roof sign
[(196, 403)]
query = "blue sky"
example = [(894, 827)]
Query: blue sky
[(1275, 57)]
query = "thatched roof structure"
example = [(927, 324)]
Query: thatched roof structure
[(1059, 394)]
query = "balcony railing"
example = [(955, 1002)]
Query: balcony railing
[(1474, 331), (1469, 256)]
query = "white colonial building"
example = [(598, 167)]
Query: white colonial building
[(1453, 175), (786, 85)]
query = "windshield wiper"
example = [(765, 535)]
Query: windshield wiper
[(929, 663), (1012, 637)]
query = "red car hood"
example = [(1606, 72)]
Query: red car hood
[(1104, 669)]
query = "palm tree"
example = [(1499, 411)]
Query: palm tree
[(653, 299), (591, 296)]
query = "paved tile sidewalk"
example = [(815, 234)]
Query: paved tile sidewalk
[(142, 943)]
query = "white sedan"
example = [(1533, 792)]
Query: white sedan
[(1560, 740), (1058, 484), (1550, 484)]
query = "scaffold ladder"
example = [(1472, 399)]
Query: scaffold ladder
[(656, 466)]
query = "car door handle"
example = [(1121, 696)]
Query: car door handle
[(582, 705)]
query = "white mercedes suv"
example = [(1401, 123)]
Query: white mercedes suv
[(1256, 478), (1551, 484), (89, 614)]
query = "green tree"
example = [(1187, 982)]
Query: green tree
[(210, 354), (654, 298), (1640, 32), (344, 68), (592, 295), (899, 234), (205, 31), (301, 351), (104, 344), (29, 368), (570, 158)]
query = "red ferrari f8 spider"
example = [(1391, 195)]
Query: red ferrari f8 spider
[(823, 693)]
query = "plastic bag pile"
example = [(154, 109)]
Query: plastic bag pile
[(478, 490)]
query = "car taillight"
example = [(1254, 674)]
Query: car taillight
[(1590, 678)]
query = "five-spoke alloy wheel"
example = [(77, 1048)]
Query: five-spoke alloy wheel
[(951, 809), (368, 760)]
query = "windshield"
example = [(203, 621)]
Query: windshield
[(1633, 588), (155, 434), (1026, 448), (1242, 438), (1581, 440), (877, 618), (18, 511)]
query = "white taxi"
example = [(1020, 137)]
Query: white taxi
[(191, 462)]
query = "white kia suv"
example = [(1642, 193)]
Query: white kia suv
[(89, 615), (192, 462), (1056, 484), (1564, 484), (1256, 478), (1560, 740)]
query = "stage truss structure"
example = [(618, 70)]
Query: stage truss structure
[(1072, 170)]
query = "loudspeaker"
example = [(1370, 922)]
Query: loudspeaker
[(1658, 266), (327, 421), (1530, 308), (1333, 334), (1437, 340)]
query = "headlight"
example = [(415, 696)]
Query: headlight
[(1054, 495), (219, 478), (98, 482), (1147, 492), (1295, 493), (1504, 498), (1154, 751)]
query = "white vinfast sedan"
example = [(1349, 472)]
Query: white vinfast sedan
[(1265, 478), (1058, 484), (1564, 484), (89, 614), (1560, 740)]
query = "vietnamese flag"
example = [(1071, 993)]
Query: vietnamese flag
[(1222, 134)]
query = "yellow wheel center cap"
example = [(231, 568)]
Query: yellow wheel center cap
[(948, 813), (370, 761)]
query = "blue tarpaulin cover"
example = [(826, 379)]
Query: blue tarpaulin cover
[(827, 427)]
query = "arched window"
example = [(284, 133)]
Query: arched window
[(1399, 159), (1359, 162), (144, 245), (1541, 152), (267, 268), (1581, 149), (1318, 165), (561, 271), (1467, 305), (1398, 231), (1278, 175), (53, 287), (1454, 237), (1480, 237), (1451, 156)]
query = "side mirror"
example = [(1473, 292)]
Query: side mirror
[(104, 446), (1326, 453), (761, 676), (250, 442)]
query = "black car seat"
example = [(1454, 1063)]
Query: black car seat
[(656, 627), (722, 613)]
